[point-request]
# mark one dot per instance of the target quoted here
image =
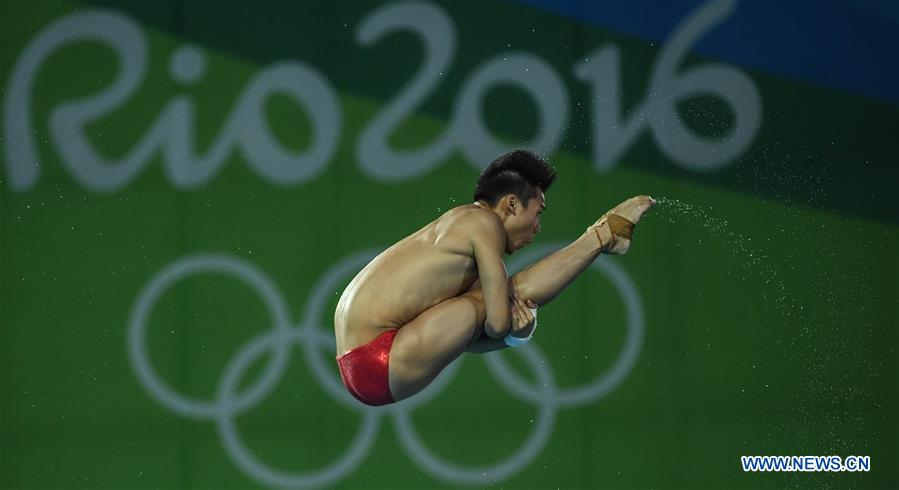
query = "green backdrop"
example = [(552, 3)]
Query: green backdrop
[(188, 186)]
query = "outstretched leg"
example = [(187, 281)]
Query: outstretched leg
[(546, 278)]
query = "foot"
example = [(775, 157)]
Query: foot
[(615, 229)]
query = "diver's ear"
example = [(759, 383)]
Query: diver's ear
[(512, 202)]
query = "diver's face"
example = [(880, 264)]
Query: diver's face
[(524, 223)]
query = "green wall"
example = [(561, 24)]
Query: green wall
[(178, 218)]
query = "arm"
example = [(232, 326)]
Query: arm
[(488, 243), (524, 321)]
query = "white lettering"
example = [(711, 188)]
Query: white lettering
[(536, 78), (613, 135), (246, 128), (435, 29), (173, 129), (22, 160)]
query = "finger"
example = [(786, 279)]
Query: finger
[(531, 304), (517, 314), (522, 320), (519, 302), (516, 317), (525, 312)]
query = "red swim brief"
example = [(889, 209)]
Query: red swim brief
[(364, 370)]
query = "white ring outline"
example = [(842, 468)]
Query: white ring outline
[(626, 359), (506, 467), (182, 404), (282, 335), (227, 425)]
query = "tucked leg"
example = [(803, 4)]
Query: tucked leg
[(427, 344)]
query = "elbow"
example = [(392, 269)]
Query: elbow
[(498, 318), (497, 329), (493, 332)]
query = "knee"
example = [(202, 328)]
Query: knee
[(517, 288)]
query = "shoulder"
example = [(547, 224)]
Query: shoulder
[(478, 221), (481, 229)]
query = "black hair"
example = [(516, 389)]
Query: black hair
[(519, 172)]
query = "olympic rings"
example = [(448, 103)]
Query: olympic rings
[(318, 349)]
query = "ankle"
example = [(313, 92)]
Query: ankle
[(591, 241)]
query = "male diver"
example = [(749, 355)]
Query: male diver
[(444, 290)]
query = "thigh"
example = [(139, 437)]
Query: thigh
[(427, 344)]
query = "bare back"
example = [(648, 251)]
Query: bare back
[(432, 265)]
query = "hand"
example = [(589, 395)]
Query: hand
[(523, 321)]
